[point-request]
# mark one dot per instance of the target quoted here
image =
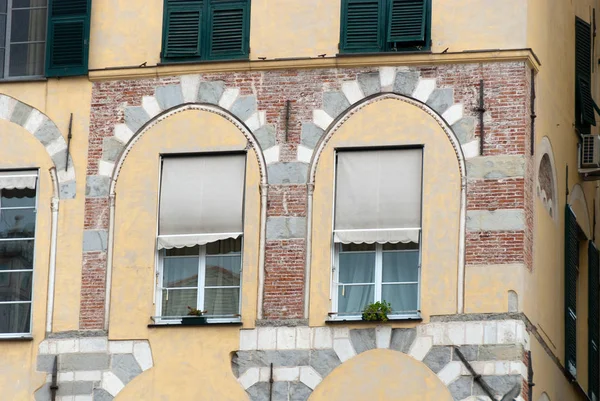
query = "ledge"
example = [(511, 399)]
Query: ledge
[(360, 321), (20, 338), (157, 326)]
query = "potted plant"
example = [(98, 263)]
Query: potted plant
[(194, 317), (377, 312)]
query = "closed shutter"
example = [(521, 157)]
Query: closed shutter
[(594, 321), (571, 266), (68, 37), (407, 20), (182, 29), (584, 107), (229, 28), (362, 23)]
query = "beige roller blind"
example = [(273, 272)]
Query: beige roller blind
[(378, 196), (201, 199), (18, 179)]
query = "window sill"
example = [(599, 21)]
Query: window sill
[(22, 79), (21, 337), (390, 53), (358, 319), (208, 324)]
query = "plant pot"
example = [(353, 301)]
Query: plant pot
[(193, 320)]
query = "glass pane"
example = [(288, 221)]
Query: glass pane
[(14, 318), (187, 251), (353, 299), (357, 247), (28, 25), (400, 266), (2, 29), (224, 247), (400, 246), (1, 63), (16, 255), (17, 197), (223, 270), (3, 5), (403, 297), (357, 267), (180, 272), (26, 59), (15, 286), (176, 302), (29, 3), (222, 301), (17, 223)]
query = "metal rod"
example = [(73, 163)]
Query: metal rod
[(287, 118), (54, 383), (484, 386), (530, 382), (271, 384), (481, 110), (69, 136), (533, 115)]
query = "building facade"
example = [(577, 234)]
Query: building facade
[(281, 165)]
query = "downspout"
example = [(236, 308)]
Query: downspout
[(264, 189), (461, 246), (53, 244), (109, 258), (311, 190)]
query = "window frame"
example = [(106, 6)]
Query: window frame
[(33, 261)]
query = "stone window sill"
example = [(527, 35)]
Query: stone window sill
[(22, 79), (163, 325), (27, 337), (358, 319)]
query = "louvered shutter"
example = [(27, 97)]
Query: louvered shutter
[(182, 29), (586, 101), (571, 266), (68, 37), (584, 106), (229, 30), (362, 26), (407, 20), (594, 322)]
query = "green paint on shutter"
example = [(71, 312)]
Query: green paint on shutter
[(407, 21), (362, 26), (571, 266), (594, 321), (182, 29), (586, 102), (229, 30), (67, 47)]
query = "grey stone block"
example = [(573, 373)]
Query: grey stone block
[(21, 113), (499, 384), (402, 339), (95, 240), (244, 360), (45, 363), (244, 107), (75, 388), (265, 136), (135, 118), (280, 391), (496, 167), (299, 391), (97, 186), (324, 361), (111, 149), (406, 82), (363, 339), (461, 388), (311, 134), (441, 99), (169, 96), (497, 220), (369, 83), (470, 353), (286, 227), (335, 103), (257, 392), (43, 393), (288, 173), (75, 362), (60, 160), (68, 190), (125, 367), (500, 353), (47, 133), (102, 395), (211, 92), (464, 129), (437, 358)]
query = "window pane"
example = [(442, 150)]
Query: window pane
[(223, 270), (16, 255), (358, 247), (29, 3), (357, 267), (353, 299), (3, 6), (177, 301), (400, 246), (17, 197), (2, 29), (186, 251), (28, 25), (222, 301), (15, 286), (17, 223), (26, 59), (403, 297), (180, 272), (224, 247), (1, 63), (400, 266), (14, 318)]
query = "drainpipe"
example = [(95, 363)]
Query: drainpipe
[(109, 258), (53, 243), (311, 190), (264, 189), (461, 246)]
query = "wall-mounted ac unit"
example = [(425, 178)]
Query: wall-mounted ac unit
[(590, 151)]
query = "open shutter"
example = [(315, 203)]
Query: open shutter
[(229, 30), (362, 22), (182, 29), (68, 37), (594, 322), (586, 101), (571, 266), (407, 20)]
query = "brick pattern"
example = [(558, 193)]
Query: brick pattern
[(287, 200), (494, 247), (93, 284), (496, 194)]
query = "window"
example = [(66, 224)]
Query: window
[(584, 102), (206, 30), (572, 233), (385, 25), (377, 230), (200, 236), (17, 239)]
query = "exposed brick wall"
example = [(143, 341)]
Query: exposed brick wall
[(93, 288), (496, 194), (287, 200), (494, 247)]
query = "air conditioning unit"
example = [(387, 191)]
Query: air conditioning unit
[(590, 151)]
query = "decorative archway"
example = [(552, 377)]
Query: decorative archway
[(546, 178)]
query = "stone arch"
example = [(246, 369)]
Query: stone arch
[(47, 133), (544, 397), (578, 196), (546, 178)]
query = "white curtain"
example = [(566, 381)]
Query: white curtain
[(37, 32), (355, 268)]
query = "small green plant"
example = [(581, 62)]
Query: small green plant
[(377, 312), (195, 312)]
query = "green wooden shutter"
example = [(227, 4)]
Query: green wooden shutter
[(362, 26), (67, 47), (594, 321), (584, 103), (571, 266), (407, 21), (229, 30), (182, 29)]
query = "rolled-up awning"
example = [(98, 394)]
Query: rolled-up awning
[(18, 179)]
